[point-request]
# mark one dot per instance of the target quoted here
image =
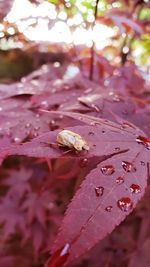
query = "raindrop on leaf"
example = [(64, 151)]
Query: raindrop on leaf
[(117, 148), (144, 141), (17, 140), (125, 204), (135, 188), (91, 133), (128, 166), (120, 180), (28, 125), (107, 170), (99, 190), (109, 208)]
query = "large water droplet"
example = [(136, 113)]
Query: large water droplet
[(99, 190), (135, 188), (128, 166), (107, 170), (125, 204), (144, 141), (109, 208), (120, 180)]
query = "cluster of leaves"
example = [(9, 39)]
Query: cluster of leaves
[(111, 114)]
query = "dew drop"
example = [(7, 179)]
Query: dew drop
[(35, 134), (28, 125), (109, 208), (120, 180), (44, 104), (135, 188), (117, 148), (144, 141), (99, 190), (125, 204), (37, 127), (17, 140), (107, 170), (53, 125), (83, 163), (128, 166), (91, 133)]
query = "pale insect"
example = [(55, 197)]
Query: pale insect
[(71, 140)]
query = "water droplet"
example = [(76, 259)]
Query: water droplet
[(117, 148), (35, 134), (17, 140), (91, 133), (144, 141), (53, 125), (135, 188), (116, 98), (28, 125), (37, 115), (37, 127), (109, 208), (44, 104), (125, 204), (56, 64), (107, 170), (120, 180), (99, 190), (83, 162), (128, 166)]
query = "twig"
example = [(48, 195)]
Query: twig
[(93, 44)]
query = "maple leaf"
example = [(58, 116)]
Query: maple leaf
[(128, 78), (141, 256), (18, 182), (36, 206), (10, 208), (109, 192), (7, 261)]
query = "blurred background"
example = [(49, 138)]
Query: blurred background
[(35, 32)]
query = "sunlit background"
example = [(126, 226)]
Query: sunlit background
[(47, 24), (55, 27)]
